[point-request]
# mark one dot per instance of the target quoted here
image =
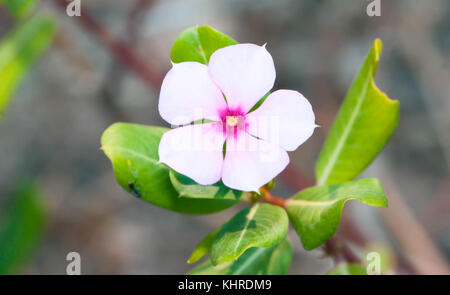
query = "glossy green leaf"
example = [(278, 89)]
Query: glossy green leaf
[(262, 225), (274, 260), (280, 260), (19, 51), (19, 8), (315, 212), (188, 188), (203, 248), (22, 225), (197, 44), (349, 269), (133, 151), (364, 124)]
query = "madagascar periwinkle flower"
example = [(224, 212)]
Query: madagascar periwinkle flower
[(223, 137)]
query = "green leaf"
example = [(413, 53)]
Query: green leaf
[(19, 51), (363, 126), (349, 269), (280, 260), (315, 212), (262, 225), (19, 8), (133, 151), (204, 247), (197, 44), (22, 225), (188, 188), (274, 260)]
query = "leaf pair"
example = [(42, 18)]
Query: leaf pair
[(314, 213)]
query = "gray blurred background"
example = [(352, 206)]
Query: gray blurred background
[(52, 129)]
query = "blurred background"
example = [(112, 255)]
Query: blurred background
[(106, 65)]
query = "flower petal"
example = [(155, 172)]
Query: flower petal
[(244, 73), (251, 163), (285, 118), (189, 94), (195, 151)]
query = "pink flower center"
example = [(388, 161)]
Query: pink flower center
[(233, 121)]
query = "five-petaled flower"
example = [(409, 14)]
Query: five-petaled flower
[(245, 149)]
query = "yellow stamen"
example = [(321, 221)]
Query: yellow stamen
[(232, 121)]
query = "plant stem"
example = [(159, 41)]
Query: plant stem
[(117, 47), (267, 197), (340, 252)]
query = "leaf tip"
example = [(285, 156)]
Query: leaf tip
[(308, 246), (378, 47)]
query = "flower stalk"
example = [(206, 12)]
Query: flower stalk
[(267, 197)]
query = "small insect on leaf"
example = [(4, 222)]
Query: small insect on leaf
[(134, 190)]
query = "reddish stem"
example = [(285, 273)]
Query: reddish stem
[(123, 53), (267, 197)]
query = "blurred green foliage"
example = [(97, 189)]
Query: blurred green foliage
[(19, 51), (22, 224), (19, 8)]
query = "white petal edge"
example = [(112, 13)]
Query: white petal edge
[(251, 163), (286, 118), (244, 73), (188, 94), (195, 151)]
